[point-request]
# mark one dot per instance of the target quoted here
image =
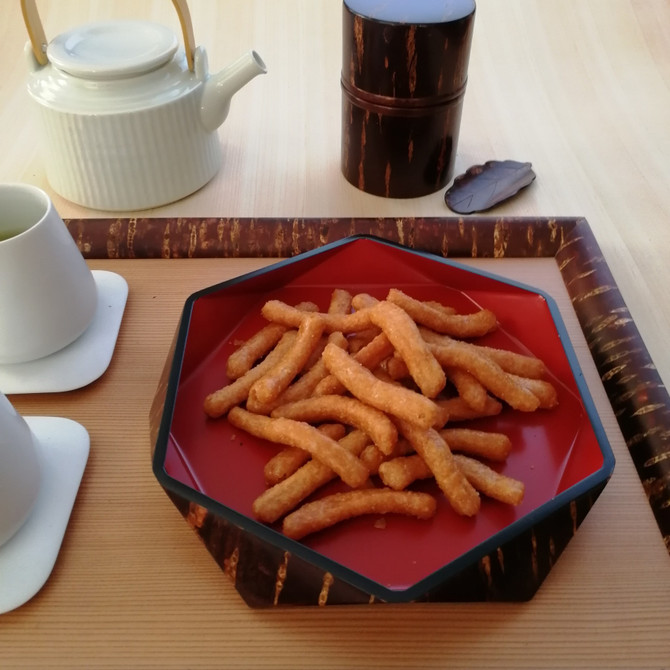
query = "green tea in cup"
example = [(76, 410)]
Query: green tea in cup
[(7, 234)]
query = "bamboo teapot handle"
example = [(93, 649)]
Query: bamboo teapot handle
[(39, 41)]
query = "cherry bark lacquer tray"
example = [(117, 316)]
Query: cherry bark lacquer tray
[(266, 574)]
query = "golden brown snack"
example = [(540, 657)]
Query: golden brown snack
[(469, 388), (456, 409), (253, 349), (459, 325), (315, 516), (343, 410), (288, 460), (398, 473), (396, 367), (220, 401), (360, 340), (363, 301), (510, 361), (281, 498), (276, 380), (544, 390), (481, 443), (389, 398), (371, 355), (372, 458), (365, 354), (405, 337), (515, 363), (244, 357), (340, 302), (440, 307), (438, 457), (488, 373), (489, 482), (303, 387), (279, 312), (304, 436)]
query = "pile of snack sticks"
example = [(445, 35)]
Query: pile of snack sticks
[(369, 392)]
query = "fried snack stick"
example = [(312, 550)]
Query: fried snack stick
[(279, 312), (510, 361), (396, 367), (284, 496), (387, 397), (449, 409), (456, 409), (363, 301), (472, 391), (407, 341), (372, 458), (361, 339), (438, 457), (515, 363), (272, 383), (489, 482), (346, 410), (400, 472), (220, 401), (544, 390), (480, 443), (285, 462), (302, 435), (370, 356), (440, 307), (303, 387), (488, 373), (469, 388), (244, 357), (333, 509), (340, 301), (459, 325)]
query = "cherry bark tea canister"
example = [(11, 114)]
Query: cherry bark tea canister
[(404, 74)]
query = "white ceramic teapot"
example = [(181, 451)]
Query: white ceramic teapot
[(129, 119)]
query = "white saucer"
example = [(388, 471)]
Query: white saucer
[(27, 558), (81, 362)]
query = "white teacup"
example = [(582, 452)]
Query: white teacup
[(19, 470), (48, 294)]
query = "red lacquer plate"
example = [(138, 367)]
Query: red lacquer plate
[(560, 454)]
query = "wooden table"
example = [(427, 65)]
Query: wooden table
[(580, 89)]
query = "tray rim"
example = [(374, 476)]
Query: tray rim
[(644, 418)]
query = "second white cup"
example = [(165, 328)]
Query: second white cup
[(20, 471), (48, 295)]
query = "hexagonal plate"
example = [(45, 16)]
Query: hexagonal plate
[(560, 454)]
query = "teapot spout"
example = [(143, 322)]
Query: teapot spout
[(220, 88)]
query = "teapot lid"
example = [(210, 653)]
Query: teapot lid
[(112, 49)]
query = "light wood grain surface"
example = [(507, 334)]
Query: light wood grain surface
[(580, 88)]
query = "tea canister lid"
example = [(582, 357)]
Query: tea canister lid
[(407, 51), (414, 12), (112, 49)]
